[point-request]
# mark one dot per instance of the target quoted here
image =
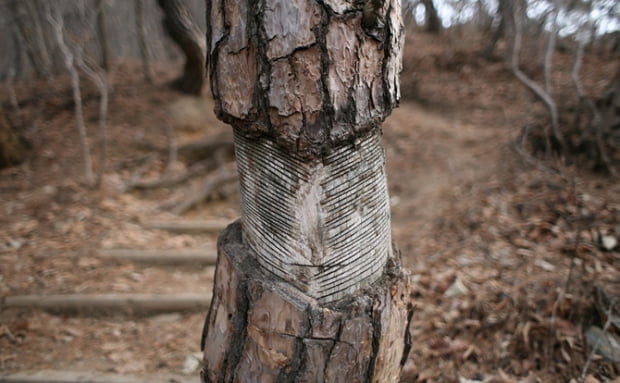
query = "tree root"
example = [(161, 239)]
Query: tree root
[(222, 176)]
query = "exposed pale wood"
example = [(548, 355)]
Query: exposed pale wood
[(109, 302), (47, 376), (193, 256), (323, 226), (261, 329), (206, 226)]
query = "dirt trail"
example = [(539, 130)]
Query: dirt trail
[(434, 158)]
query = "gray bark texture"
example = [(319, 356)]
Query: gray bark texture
[(307, 286)]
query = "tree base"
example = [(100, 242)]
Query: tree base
[(261, 329)]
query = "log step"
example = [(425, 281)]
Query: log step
[(87, 377), (195, 226), (193, 256), (111, 303)]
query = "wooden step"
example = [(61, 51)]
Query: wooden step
[(193, 226), (161, 256), (47, 376), (110, 303)]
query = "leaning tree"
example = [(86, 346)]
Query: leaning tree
[(308, 286), (189, 38)]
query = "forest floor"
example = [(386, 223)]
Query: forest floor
[(506, 259)]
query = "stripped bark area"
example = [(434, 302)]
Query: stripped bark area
[(260, 329), (322, 225), (310, 75)]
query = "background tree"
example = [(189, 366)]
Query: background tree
[(142, 41), (12, 148), (191, 40), (102, 33), (432, 23)]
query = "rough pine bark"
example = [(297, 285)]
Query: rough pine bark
[(259, 329), (190, 39), (308, 287)]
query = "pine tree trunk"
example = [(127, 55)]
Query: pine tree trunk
[(262, 329), (307, 284)]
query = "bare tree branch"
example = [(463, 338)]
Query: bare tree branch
[(97, 75), (57, 25), (533, 86)]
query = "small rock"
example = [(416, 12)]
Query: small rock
[(166, 318), (545, 265), (591, 379), (605, 343), (465, 380), (456, 289), (608, 242), (192, 363)]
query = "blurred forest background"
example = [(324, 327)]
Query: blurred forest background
[(503, 165)]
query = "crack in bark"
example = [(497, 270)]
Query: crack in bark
[(408, 340), (375, 319)]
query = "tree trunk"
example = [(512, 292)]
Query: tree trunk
[(504, 13), (262, 329), (190, 39), (57, 24), (433, 23), (307, 285), (30, 31), (103, 36), (144, 49), (12, 150)]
